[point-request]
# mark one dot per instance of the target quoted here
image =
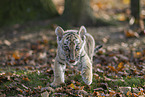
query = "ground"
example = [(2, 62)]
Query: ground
[(27, 55)]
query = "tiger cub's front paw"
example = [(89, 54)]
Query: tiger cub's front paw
[(87, 76), (55, 84), (87, 80)]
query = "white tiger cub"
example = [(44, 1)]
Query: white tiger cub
[(74, 48)]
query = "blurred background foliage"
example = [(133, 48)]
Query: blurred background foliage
[(20, 11)]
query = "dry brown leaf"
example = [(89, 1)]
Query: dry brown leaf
[(7, 42), (45, 94), (26, 79), (16, 55), (120, 66), (96, 76), (20, 90), (112, 68), (137, 54), (72, 86), (25, 86), (78, 83), (129, 33), (128, 93), (112, 92)]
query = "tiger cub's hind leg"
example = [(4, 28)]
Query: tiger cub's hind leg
[(59, 70), (86, 71)]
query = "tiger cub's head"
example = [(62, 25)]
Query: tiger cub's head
[(71, 43)]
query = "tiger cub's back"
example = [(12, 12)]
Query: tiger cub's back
[(90, 45)]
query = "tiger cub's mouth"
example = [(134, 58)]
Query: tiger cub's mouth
[(71, 61)]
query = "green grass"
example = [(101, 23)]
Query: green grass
[(41, 79), (132, 82), (35, 80)]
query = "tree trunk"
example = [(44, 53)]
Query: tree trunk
[(135, 9), (135, 13), (19, 11), (138, 24), (49, 7), (78, 12)]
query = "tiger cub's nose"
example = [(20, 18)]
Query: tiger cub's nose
[(71, 61)]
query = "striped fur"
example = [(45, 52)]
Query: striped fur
[(74, 48)]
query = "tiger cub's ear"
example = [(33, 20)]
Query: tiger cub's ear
[(59, 32), (82, 32)]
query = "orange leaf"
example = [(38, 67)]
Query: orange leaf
[(129, 77), (134, 95), (141, 90), (20, 90), (78, 83), (39, 87), (26, 79), (139, 93), (121, 17), (27, 91), (112, 68), (137, 54), (82, 87), (16, 55), (130, 33), (129, 93), (120, 66), (77, 88), (96, 76), (96, 93), (72, 86), (111, 92)]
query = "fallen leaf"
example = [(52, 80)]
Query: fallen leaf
[(137, 54), (24, 86), (20, 90), (26, 79), (8, 43), (112, 68), (124, 89), (47, 88), (82, 92), (96, 76), (16, 55), (45, 94), (121, 17), (120, 66), (72, 86), (112, 92), (128, 93), (129, 33)]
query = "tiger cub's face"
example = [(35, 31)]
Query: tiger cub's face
[(71, 43)]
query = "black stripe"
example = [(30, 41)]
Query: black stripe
[(59, 57), (83, 56), (69, 33), (62, 59), (88, 67), (60, 63)]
